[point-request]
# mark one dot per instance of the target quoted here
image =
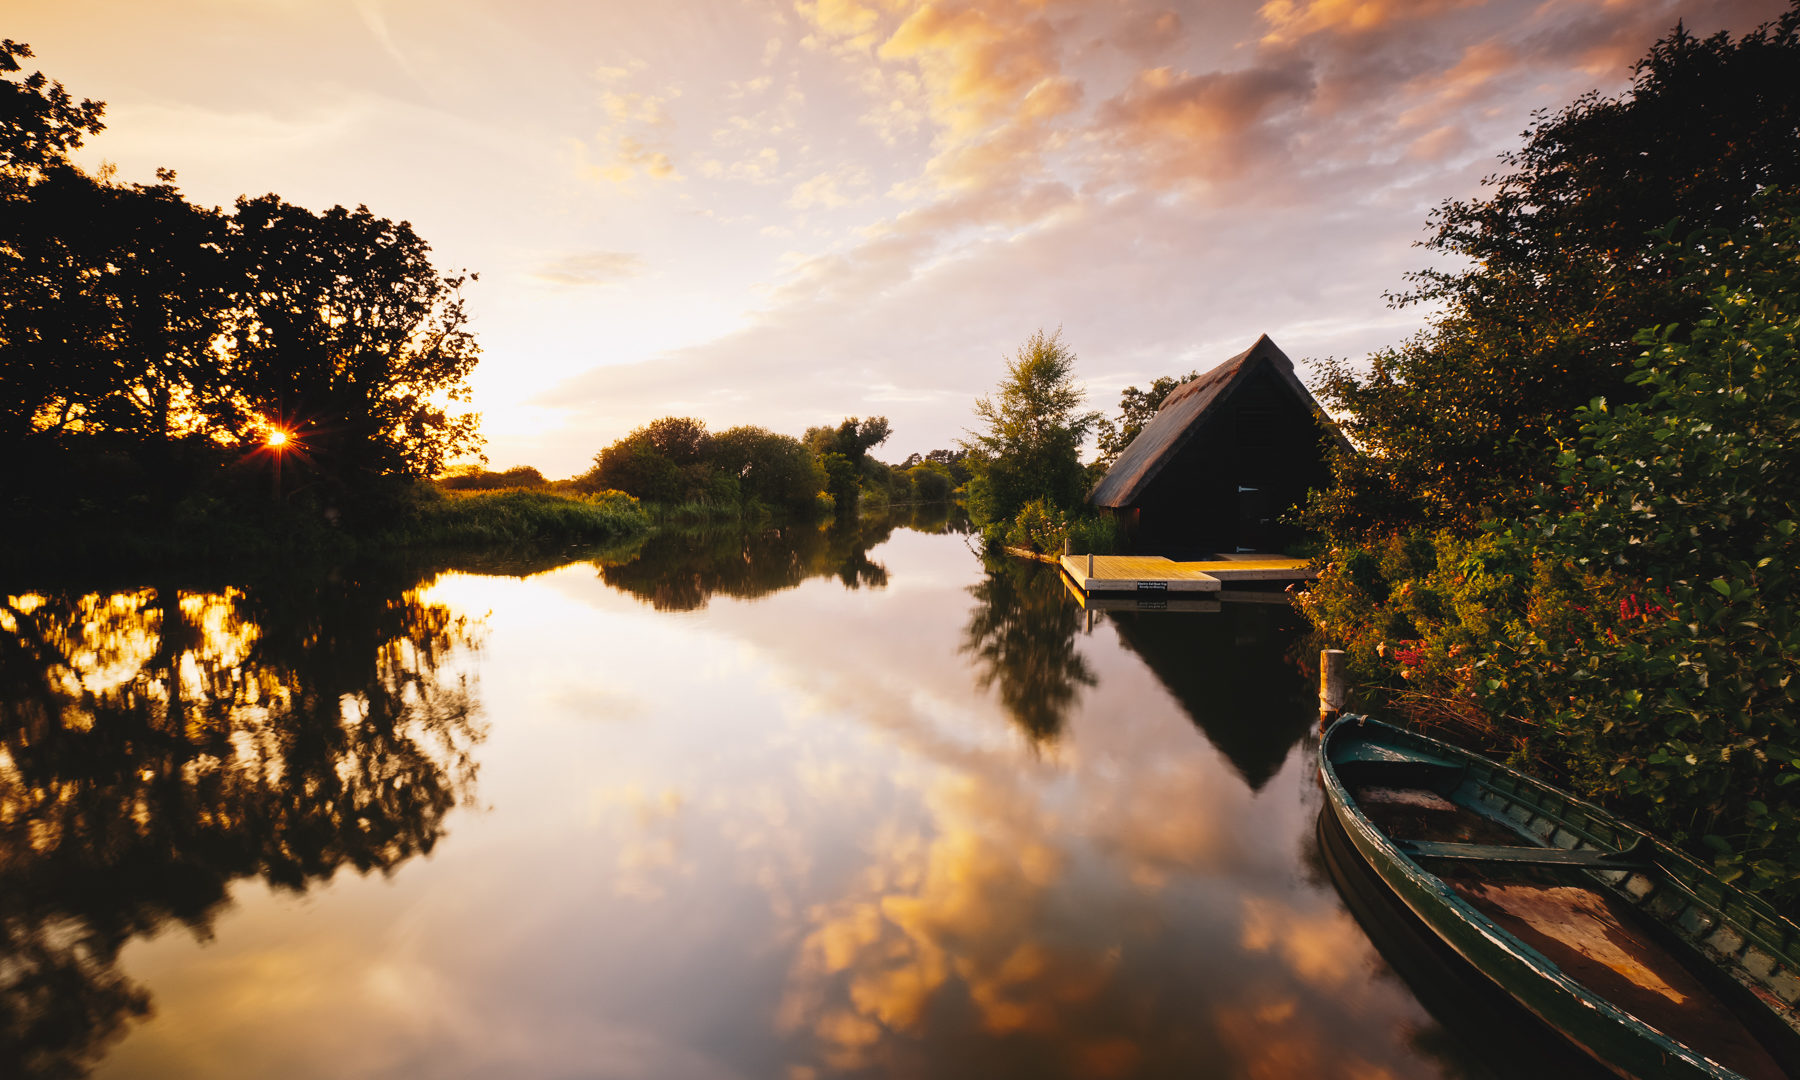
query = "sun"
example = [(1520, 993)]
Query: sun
[(277, 438)]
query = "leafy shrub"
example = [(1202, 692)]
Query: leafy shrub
[(1095, 533), (1039, 526), (475, 478), (930, 482), (1637, 632), (777, 470)]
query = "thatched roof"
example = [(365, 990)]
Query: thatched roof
[(1179, 416)]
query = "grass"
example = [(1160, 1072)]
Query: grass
[(514, 516)]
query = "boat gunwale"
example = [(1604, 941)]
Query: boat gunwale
[(1502, 944), (1732, 905)]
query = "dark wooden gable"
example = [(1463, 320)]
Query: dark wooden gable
[(1226, 455)]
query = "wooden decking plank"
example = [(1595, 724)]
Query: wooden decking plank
[(1140, 573)]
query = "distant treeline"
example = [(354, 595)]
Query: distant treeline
[(680, 469)]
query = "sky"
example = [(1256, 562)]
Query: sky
[(785, 212)]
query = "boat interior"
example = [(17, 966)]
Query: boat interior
[(1574, 900)]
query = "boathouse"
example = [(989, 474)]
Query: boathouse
[(1225, 457)]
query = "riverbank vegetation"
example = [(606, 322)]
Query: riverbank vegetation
[(681, 472), (516, 516), (1028, 487), (185, 382), (1571, 531)]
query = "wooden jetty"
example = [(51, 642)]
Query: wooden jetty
[(1149, 601), (1139, 575)]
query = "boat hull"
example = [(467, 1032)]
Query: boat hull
[(1613, 1037)]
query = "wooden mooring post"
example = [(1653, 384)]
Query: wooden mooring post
[(1333, 685)]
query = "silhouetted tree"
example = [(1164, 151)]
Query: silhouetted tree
[(346, 333), (39, 122), (147, 343), (110, 308)]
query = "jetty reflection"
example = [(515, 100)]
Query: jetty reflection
[(158, 744)]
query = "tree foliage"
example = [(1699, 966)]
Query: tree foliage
[(675, 460), (952, 463), (1029, 444), (113, 299), (1635, 628), (344, 330), (776, 470), (1558, 272), (39, 122), (1136, 408), (476, 478), (147, 344), (853, 438), (661, 462)]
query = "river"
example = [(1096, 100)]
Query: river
[(798, 804)]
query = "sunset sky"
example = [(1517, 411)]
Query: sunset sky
[(783, 213)]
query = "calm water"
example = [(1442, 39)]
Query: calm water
[(816, 804)]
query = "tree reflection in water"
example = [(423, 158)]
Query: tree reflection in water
[(1021, 636), (682, 570), (158, 744), (1227, 669)]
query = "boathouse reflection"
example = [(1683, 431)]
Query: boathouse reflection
[(1232, 673), (1229, 667), (158, 744)]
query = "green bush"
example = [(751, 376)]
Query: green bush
[(1096, 534), (1551, 273), (840, 481), (1637, 633), (1039, 526), (475, 478), (931, 482), (777, 470)]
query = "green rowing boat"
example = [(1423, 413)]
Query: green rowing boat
[(1630, 949)]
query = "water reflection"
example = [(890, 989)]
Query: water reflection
[(1232, 672), (1480, 1031), (681, 570), (158, 744), (1021, 638), (790, 838)]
